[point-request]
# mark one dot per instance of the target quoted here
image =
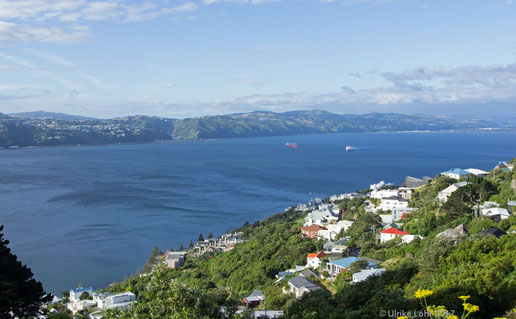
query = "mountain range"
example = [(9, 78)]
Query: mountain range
[(47, 129)]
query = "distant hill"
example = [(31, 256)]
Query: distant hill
[(45, 129), (43, 114)]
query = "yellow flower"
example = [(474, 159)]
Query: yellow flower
[(403, 317), (453, 317), (499, 318), (470, 308), (421, 293), (464, 298), (438, 311)]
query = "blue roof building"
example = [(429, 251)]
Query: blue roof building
[(456, 173), (335, 267)]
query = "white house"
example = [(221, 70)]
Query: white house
[(327, 234), (321, 217), (175, 259), (99, 298), (385, 193), (390, 234), (75, 294), (409, 238), (405, 192), (314, 259), (119, 301), (443, 195), (494, 211), (398, 213), (477, 172), (390, 203), (299, 285), (456, 173), (366, 273)]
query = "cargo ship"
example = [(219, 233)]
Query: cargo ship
[(292, 145)]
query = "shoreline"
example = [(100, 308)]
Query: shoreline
[(480, 130)]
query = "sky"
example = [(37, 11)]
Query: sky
[(188, 58)]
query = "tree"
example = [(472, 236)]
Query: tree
[(20, 294), (191, 244), (210, 235), (85, 295), (181, 246), (201, 237)]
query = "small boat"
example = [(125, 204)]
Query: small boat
[(350, 148), (292, 145)]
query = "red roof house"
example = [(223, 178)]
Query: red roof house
[(311, 231), (391, 233)]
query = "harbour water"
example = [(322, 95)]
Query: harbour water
[(92, 214)]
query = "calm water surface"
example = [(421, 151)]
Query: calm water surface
[(93, 214)]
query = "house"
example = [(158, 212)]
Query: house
[(366, 273), (456, 173), (390, 203), (453, 233), (333, 230), (266, 314), (299, 285), (504, 166), (175, 259), (335, 267), (511, 204), (308, 273), (493, 231), (75, 294), (391, 233), (405, 192), (254, 299), (311, 231), (99, 298), (321, 217), (443, 195), (119, 301), (413, 182), (477, 172), (385, 193), (387, 219), (398, 213), (409, 238), (337, 247), (314, 259), (76, 306), (327, 234), (495, 211)]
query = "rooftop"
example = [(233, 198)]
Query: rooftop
[(346, 262), (394, 231), (318, 254), (312, 228), (458, 171)]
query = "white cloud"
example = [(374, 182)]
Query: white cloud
[(12, 32)]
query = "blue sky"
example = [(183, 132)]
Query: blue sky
[(191, 58)]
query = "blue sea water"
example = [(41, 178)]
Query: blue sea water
[(93, 214)]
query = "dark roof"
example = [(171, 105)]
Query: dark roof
[(308, 272), (300, 281), (493, 231)]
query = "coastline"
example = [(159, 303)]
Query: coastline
[(180, 140)]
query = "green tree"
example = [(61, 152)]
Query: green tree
[(20, 294), (210, 235), (201, 237)]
